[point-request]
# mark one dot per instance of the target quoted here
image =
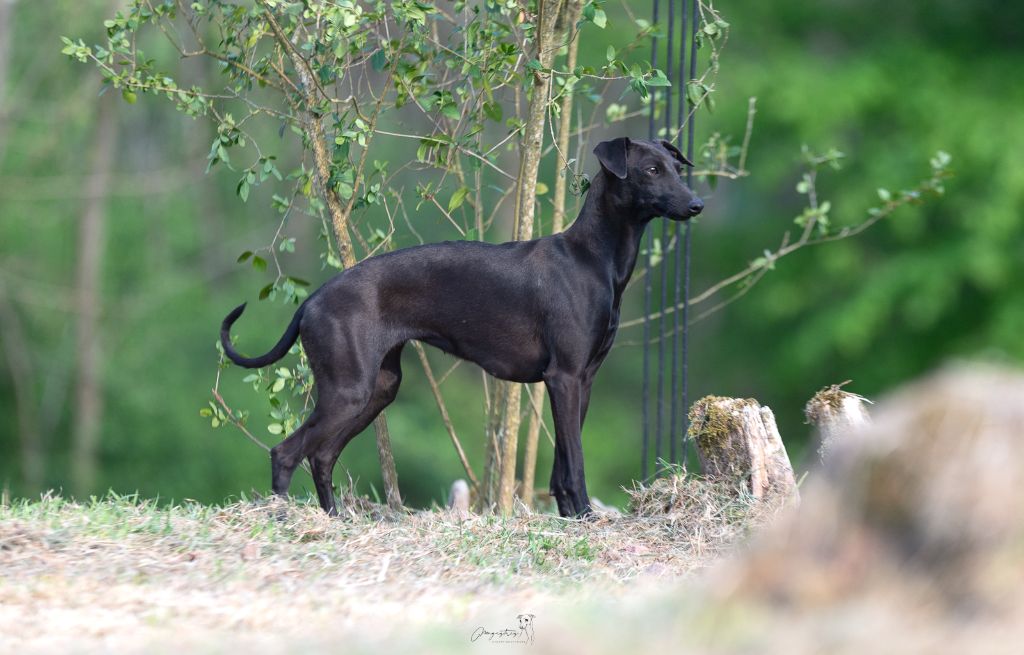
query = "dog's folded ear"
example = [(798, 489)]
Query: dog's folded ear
[(676, 154), (612, 155)]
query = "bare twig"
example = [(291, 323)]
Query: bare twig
[(757, 269), (448, 425)]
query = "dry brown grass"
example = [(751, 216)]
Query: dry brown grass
[(910, 541), (122, 571)]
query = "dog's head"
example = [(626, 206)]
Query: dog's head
[(647, 177), (525, 621)]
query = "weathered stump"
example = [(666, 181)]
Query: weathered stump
[(737, 439), (920, 514), (836, 415)]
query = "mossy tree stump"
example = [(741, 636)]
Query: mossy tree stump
[(737, 439), (835, 415)]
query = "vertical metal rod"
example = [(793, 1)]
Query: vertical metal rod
[(694, 16), (646, 391), (680, 86), (659, 432)]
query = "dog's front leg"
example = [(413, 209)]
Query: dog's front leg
[(585, 398), (567, 479), (557, 487)]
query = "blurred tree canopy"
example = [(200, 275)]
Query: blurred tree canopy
[(888, 84)]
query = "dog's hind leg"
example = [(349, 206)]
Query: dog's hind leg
[(285, 456), (335, 408), (325, 456)]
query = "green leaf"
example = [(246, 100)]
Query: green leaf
[(638, 87), (610, 53), (694, 92), (941, 160), (493, 111), (244, 256), (259, 263), (458, 198), (129, 96), (655, 252), (600, 18), (885, 195), (275, 428), (378, 60), (451, 112), (588, 11), (278, 385), (658, 79)]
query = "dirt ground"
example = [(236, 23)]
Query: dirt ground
[(909, 540), (126, 575)]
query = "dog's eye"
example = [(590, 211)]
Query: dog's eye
[(653, 170)]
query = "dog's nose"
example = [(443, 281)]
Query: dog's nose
[(696, 206)]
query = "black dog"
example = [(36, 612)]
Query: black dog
[(525, 311)]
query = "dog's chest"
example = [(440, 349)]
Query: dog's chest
[(605, 332)]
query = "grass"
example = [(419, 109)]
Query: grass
[(156, 568), (909, 541)]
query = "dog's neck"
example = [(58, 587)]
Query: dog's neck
[(606, 228)]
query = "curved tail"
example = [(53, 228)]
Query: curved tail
[(277, 352)]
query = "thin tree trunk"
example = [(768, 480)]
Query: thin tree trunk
[(497, 407), (339, 221), (536, 410), (572, 16), (23, 381), (6, 13), (526, 189), (567, 23), (88, 408)]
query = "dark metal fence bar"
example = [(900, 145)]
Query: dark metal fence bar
[(677, 256), (646, 390), (677, 402), (659, 422), (694, 18)]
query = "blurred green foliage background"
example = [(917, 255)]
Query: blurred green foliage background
[(887, 83)]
